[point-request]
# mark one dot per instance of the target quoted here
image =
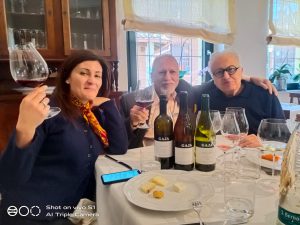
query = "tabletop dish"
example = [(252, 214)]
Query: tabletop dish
[(252, 157), (172, 200)]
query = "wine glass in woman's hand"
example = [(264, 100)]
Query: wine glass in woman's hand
[(28, 68)]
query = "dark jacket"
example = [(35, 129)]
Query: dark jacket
[(57, 168), (258, 103)]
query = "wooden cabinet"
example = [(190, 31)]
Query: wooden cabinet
[(58, 27)]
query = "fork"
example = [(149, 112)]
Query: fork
[(197, 206)]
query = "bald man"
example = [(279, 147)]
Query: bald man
[(165, 79)]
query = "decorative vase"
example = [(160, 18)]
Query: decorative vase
[(280, 84)]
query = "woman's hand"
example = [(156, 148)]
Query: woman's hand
[(33, 111), (99, 100), (250, 141)]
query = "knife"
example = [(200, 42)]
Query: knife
[(117, 161)]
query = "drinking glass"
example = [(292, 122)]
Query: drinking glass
[(28, 68), (144, 99), (228, 141), (274, 135), (241, 119), (147, 161), (239, 197), (230, 130), (216, 120)]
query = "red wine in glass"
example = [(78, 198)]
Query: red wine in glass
[(31, 83), (28, 68), (144, 103)]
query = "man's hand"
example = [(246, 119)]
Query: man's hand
[(250, 141), (138, 115)]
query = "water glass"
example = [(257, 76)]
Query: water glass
[(239, 197), (147, 161)]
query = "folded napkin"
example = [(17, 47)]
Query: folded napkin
[(84, 213)]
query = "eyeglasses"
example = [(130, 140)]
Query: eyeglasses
[(230, 70)]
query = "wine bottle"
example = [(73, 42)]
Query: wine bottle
[(289, 188), (184, 137), (163, 136), (204, 139)]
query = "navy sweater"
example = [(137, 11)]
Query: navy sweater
[(57, 168), (258, 103)]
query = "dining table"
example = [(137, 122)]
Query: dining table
[(114, 208)]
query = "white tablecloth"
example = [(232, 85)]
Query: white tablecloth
[(114, 209)]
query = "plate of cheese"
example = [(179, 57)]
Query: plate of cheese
[(166, 190)]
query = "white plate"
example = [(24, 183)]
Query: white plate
[(172, 201), (252, 157)]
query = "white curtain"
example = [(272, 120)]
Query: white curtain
[(284, 22), (211, 20)]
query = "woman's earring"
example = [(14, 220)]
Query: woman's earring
[(68, 82)]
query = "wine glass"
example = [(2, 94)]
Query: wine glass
[(230, 129), (216, 120), (28, 68), (144, 98), (231, 132), (274, 134), (241, 119)]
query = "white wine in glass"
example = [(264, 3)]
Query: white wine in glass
[(29, 69)]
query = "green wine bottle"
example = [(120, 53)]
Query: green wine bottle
[(163, 136), (184, 137), (204, 139)]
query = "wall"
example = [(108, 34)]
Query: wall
[(121, 45), (250, 39), (251, 33)]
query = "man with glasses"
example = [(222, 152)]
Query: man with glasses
[(229, 90)]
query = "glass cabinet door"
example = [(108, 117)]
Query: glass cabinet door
[(27, 21), (84, 27)]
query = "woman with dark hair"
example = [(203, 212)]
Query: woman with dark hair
[(48, 165)]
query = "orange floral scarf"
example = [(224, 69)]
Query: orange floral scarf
[(90, 118)]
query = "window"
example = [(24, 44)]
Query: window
[(187, 51), (279, 55), (284, 27)]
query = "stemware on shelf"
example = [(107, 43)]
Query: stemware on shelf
[(29, 69)]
